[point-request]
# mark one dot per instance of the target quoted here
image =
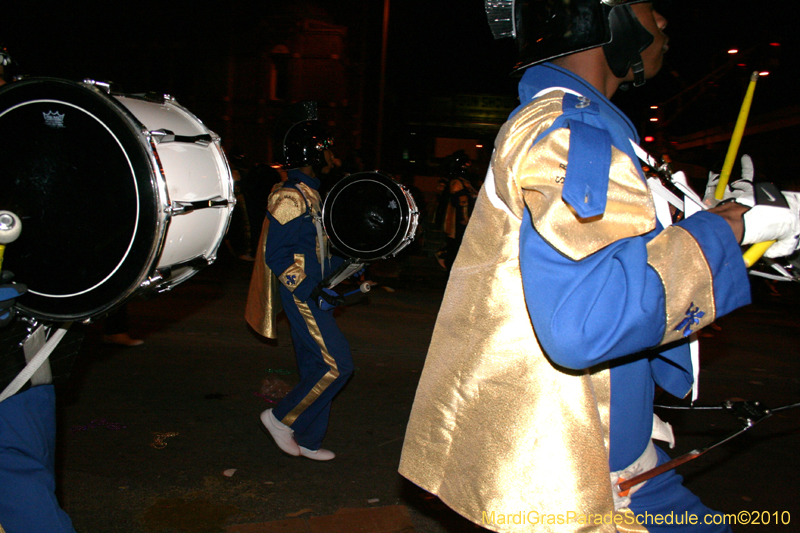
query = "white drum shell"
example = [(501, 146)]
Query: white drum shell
[(190, 172)]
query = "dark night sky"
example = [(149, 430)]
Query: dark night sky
[(435, 46), (441, 43)]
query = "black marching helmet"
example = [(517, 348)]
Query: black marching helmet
[(547, 29), (301, 140)]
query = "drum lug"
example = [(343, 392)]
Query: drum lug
[(102, 86), (156, 98), (160, 280), (167, 136), (180, 208), (154, 281)]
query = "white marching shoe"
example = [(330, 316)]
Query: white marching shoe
[(280, 433), (317, 455)]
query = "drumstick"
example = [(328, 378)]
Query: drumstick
[(364, 287), (755, 252), (10, 228), (736, 139)]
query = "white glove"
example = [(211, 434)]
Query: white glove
[(769, 223), (740, 190)]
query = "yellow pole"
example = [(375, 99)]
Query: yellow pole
[(736, 138)]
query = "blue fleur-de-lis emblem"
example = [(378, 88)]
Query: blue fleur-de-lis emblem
[(693, 316), (291, 279)]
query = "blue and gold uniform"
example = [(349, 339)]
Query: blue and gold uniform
[(295, 250), (567, 304)]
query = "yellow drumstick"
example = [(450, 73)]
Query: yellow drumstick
[(755, 252), (736, 138)]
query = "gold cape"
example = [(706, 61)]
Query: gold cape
[(496, 430), (263, 301)]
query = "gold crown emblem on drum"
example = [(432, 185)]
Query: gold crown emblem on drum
[(54, 119)]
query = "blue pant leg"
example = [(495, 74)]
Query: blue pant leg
[(665, 494), (309, 371), (324, 364), (312, 436), (27, 463)]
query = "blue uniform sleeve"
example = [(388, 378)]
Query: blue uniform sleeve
[(605, 306), (724, 256), (615, 302)]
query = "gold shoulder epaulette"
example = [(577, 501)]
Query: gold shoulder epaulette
[(539, 170), (286, 204)]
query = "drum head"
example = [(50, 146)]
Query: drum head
[(366, 216), (76, 172)]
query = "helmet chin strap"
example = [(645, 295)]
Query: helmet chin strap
[(638, 73), (630, 39), (638, 76)]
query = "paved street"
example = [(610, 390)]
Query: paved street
[(164, 438)]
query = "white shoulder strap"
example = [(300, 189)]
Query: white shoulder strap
[(42, 353)]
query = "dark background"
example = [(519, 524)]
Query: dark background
[(439, 48)]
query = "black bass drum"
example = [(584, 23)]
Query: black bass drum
[(116, 193), (369, 216)]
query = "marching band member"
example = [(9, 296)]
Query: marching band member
[(293, 247), (569, 301)]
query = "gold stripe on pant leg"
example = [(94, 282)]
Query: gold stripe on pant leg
[(329, 376)]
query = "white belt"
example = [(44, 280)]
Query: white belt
[(647, 461)]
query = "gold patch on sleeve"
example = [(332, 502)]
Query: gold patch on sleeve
[(286, 204), (629, 208), (292, 276), (688, 283)]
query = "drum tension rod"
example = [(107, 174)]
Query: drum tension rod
[(167, 136), (180, 208), (159, 280)]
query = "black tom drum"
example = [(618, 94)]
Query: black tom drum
[(369, 216)]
